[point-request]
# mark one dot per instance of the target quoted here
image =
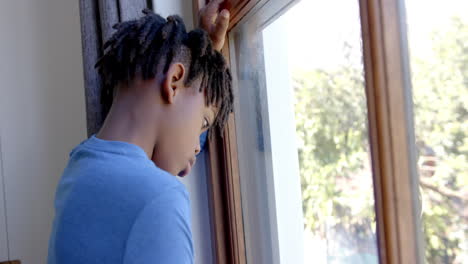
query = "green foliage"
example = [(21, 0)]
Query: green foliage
[(440, 94), (333, 154), (331, 124)]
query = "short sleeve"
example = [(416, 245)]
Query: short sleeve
[(161, 233)]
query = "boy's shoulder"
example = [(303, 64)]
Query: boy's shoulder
[(117, 170), (107, 196)]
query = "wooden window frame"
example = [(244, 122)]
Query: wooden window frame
[(11, 262), (391, 136), (389, 99), (224, 191)]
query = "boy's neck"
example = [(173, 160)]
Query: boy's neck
[(129, 120)]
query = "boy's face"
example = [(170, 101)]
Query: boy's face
[(185, 118)]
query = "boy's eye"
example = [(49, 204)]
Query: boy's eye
[(206, 124)]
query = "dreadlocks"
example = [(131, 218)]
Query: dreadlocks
[(144, 46)]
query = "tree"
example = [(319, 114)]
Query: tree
[(331, 125), (440, 95)]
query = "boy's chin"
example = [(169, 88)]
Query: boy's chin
[(183, 173), (186, 171)]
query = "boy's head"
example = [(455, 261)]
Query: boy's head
[(179, 81)]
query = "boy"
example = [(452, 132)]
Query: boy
[(118, 200)]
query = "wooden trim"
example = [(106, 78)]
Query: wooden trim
[(196, 6), (217, 202), (225, 200), (240, 10), (225, 197), (11, 262), (224, 187), (391, 131)]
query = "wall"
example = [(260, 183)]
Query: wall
[(182, 8), (41, 113), (42, 117), (3, 229)]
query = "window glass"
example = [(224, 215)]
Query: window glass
[(438, 45), (301, 122)]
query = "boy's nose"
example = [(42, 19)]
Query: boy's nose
[(197, 149)]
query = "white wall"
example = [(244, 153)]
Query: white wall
[(3, 234), (42, 117)]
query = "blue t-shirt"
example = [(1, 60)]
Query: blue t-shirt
[(113, 205)]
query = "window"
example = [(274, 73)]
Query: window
[(331, 133), (304, 163), (438, 41)]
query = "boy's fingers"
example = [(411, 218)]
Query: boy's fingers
[(213, 5), (221, 26), (210, 11)]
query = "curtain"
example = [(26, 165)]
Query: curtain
[(97, 19)]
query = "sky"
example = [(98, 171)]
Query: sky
[(317, 28)]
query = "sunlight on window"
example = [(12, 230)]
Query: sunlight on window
[(325, 64), (301, 128), (438, 44)]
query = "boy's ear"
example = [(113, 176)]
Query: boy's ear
[(173, 82)]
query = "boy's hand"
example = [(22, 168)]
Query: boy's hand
[(215, 22)]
